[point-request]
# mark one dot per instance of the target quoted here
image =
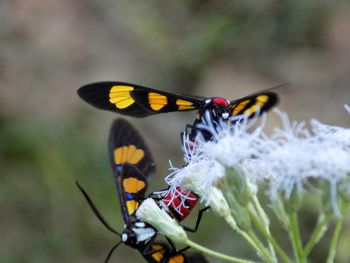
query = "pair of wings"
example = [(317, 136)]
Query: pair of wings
[(138, 101)]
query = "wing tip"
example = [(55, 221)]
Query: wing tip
[(96, 94)]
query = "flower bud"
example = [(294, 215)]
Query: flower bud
[(158, 218)]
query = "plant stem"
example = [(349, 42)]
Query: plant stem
[(267, 235), (266, 223), (294, 235), (261, 249), (335, 239), (232, 223), (318, 233), (255, 243), (216, 254)]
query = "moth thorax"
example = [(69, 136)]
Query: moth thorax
[(219, 102), (142, 231), (137, 232)]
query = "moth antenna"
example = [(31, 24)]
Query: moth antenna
[(111, 252), (96, 212), (286, 88)]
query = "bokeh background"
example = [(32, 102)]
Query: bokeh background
[(49, 137)]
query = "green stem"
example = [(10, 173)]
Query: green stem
[(232, 223), (294, 235), (318, 233), (267, 235), (266, 223), (252, 240), (216, 254), (261, 249), (335, 239)]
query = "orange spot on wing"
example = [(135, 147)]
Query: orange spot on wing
[(184, 104), (239, 107), (128, 154), (157, 101), (132, 206), (133, 185), (159, 254), (177, 259)]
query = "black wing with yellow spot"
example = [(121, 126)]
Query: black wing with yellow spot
[(134, 100), (161, 253), (254, 105), (132, 164)]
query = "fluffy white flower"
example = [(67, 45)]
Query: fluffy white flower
[(296, 154), (327, 132), (288, 158), (198, 176)]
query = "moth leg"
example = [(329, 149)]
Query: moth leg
[(199, 218)]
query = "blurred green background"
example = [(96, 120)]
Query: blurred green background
[(49, 137)]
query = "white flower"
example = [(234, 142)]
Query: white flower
[(286, 160), (327, 132), (194, 176), (150, 212), (299, 154)]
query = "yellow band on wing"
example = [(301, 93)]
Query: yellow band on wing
[(128, 154), (184, 104), (159, 255), (260, 102), (239, 107), (133, 185), (132, 206), (120, 96), (157, 101), (262, 98)]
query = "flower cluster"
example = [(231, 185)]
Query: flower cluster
[(241, 161), (286, 160)]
